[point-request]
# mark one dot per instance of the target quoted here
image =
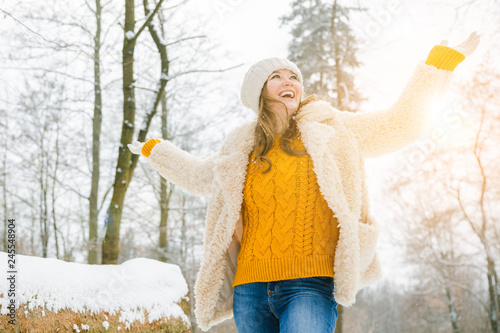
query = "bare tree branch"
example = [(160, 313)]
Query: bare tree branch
[(148, 21)]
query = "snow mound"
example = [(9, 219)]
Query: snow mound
[(130, 288)]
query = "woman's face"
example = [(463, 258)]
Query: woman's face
[(284, 85)]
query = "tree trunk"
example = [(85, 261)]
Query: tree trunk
[(111, 242), (496, 290), (6, 216), (165, 193), (453, 310), (53, 194), (126, 162), (163, 239), (340, 319), (183, 256), (96, 141), (494, 311), (43, 202)]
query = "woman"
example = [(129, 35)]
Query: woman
[(288, 229)]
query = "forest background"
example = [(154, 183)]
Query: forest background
[(81, 79)]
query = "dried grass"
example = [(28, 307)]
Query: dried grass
[(62, 321)]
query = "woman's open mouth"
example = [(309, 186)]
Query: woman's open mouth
[(287, 94)]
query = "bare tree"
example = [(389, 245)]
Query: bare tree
[(96, 139), (4, 137), (41, 112), (71, 27), (477, 213), (452, 230), (166, 190), (126, 162)]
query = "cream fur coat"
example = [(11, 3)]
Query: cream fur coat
[(337, 142)]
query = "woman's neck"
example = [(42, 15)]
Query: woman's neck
[(281, 128)]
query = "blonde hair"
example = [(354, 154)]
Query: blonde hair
[(266, 130)]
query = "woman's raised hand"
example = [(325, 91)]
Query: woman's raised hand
[(143, 148), (136, 147), (468, 46)]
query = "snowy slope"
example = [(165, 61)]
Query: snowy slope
[(132, 287)]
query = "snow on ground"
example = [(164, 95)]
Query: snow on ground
[(136, 285)]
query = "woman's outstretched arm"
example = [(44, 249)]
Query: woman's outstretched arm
[(389, 130), (191, 173)]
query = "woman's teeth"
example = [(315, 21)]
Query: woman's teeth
[(288, 94)]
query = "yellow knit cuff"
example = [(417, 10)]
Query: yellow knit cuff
[(444, 57), (146, 149)]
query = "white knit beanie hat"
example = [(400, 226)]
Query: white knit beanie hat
[(257, 75)]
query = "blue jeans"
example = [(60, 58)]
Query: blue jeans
[(286, 306)]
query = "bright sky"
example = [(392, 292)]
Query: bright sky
[(57, 285), (395, 36)]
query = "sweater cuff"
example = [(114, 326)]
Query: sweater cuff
[(444, 57), (146, 149)]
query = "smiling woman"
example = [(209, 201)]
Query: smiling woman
[(284, 86), (275, 98), (285, 245)]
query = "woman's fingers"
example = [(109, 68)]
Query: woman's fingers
[(469, 45), (469, 41), (135, 147)]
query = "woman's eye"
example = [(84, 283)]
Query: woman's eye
[(293, 77)]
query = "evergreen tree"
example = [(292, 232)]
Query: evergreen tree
[(324, 47)]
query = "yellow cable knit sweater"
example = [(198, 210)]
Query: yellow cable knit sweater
[(289, 231)]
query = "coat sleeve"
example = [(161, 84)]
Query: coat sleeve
[(389, 130), (191, 173)]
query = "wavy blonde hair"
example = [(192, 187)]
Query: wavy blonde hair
[(266, 128)]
